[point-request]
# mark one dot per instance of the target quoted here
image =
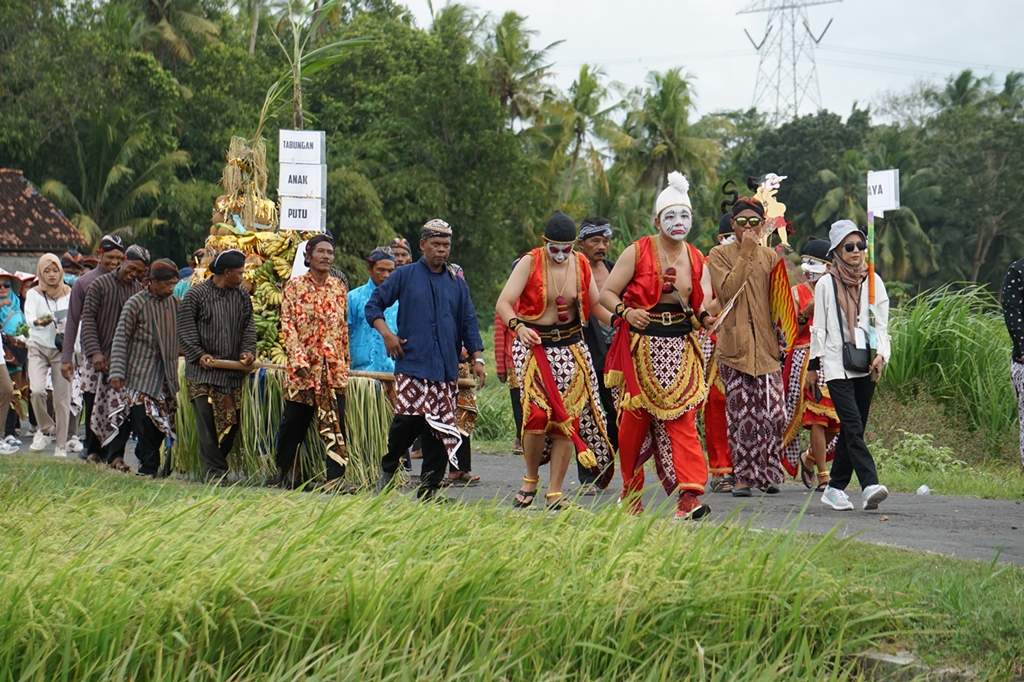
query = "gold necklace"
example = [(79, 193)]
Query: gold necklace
[(562, 305), (669, 274)]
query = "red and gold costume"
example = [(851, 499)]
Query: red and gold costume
[(716, 425), (658, 378), (801, 406), (559, 387)]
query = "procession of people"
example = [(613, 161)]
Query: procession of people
[(665, 355)]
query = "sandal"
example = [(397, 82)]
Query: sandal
[(560, 504), (527, 495), (590, 490), (725, 484), (338, 487), (119, 465), (823, 484), (466, 478), (806, 475)]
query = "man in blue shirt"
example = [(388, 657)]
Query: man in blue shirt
[(365, 344), (436, 320)]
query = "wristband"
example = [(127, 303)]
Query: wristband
[(703, 314), (480, 360), (814, 364), (620, 310), (514, 324)]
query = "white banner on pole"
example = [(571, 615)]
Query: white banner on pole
[(303, 180), (302, 146), (303, 215), (883, 191)]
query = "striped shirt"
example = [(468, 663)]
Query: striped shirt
[(215, 321), (78, 291), (145, 346), (103, 304)]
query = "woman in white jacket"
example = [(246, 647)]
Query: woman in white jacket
[(840, 340), (46, 309)]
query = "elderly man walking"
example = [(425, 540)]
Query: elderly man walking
[(436, 320), (144, 365), (215, 322), (101, 311)]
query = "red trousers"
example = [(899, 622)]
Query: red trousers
[(688, 470), (716, 433)]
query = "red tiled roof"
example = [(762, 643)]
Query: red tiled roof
[(29, 222)]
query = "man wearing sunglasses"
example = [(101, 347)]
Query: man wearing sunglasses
[(748, 352), (654, 359), (548, 298)]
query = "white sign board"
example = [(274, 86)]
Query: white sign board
[(883, 191), (303, 215), (303, 180), (302, 146)]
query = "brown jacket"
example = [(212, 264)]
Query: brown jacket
[(747, 340)]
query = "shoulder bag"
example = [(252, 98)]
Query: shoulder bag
[(854, 359)]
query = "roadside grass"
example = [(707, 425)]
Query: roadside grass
[(106, 577)]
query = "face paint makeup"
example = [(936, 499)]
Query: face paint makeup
[(813, 269), (676, 222), (559, 252), (729, 240)]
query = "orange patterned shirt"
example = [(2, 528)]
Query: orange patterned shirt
[(314, 324)]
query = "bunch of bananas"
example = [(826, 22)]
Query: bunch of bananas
[(282, 266), (269, 294), (269, 345), (275, 243), (264, 273)]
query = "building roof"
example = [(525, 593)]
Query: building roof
[(29, 222)]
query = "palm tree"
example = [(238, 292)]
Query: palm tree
[(902, 246), (847, 191), (1011, 99), (167, 28), (962, 90), (659, 137), (515, 71), (111, 193)]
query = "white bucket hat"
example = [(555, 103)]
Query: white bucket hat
[(841, 230)]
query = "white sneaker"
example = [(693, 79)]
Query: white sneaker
[(837, 499), (874, 494), (73, 445), (13, 440), (39, 441), (60, 452), (7, 448)]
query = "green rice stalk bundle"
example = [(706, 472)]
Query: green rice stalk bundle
[(368, 416), (260, 419), (954, 343), (185, 451)]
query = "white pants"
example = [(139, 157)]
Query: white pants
[(41, 362)]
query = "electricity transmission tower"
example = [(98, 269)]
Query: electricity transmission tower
[(786, 75)]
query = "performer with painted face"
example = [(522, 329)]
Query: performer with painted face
[(547, 299), (809, 408), (655, 363)]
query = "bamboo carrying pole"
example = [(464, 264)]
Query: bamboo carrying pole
[(379, 376)]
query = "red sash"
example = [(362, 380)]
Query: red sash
[(559, 415)]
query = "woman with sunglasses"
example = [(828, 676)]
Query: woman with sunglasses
[(840, 341)]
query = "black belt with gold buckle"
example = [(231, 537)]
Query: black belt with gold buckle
[(560, 336)]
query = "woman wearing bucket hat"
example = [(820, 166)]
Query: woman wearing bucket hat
[(841, 342)]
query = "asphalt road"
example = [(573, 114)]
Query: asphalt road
[(960, 527)]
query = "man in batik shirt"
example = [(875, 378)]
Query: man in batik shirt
[(548, 298), (144, 365), (436, 320), (655, 361), (314, 325)]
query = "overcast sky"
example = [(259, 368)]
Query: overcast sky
[(872, 45)]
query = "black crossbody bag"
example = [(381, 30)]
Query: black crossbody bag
[(854, 359)]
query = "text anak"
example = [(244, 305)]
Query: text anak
[(297, 144), (298, 179)]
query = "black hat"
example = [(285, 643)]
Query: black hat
[(232, 259), (816, 248), (560, 228)]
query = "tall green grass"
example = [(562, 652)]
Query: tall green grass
[(107, 579), (952, 343)]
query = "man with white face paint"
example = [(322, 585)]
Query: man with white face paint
[(654, 362), (549, 296), (811, 409)]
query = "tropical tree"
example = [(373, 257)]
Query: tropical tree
[(659, 136), (963, 90), (516, 73), (1011, 99), (114, 192), (847, 191), (167, 28)]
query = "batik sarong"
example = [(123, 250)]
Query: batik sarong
[(755, 410), (116, 407), (224, 401), (465, 403), (573, 371), (1017, 376), (436, 402), (804, 410), (327, 419)]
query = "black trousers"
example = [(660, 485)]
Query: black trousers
[(92, 441), (516, 395), (147, 450), (115, 448), (213, 456), (852, 399), (294, 425), (405, 429), (463, 456)]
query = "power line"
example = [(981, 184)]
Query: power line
[(924, 60)]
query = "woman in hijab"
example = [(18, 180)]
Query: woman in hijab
[(46, 309), (11, 318), (840, 341)]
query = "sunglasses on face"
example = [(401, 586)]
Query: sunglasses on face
[(743, 222), (5, 285), (860, 246)]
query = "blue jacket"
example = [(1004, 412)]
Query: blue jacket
[(435, 317), (365, 343)]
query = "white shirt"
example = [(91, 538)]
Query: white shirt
[(39, 305), (826, 336)]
